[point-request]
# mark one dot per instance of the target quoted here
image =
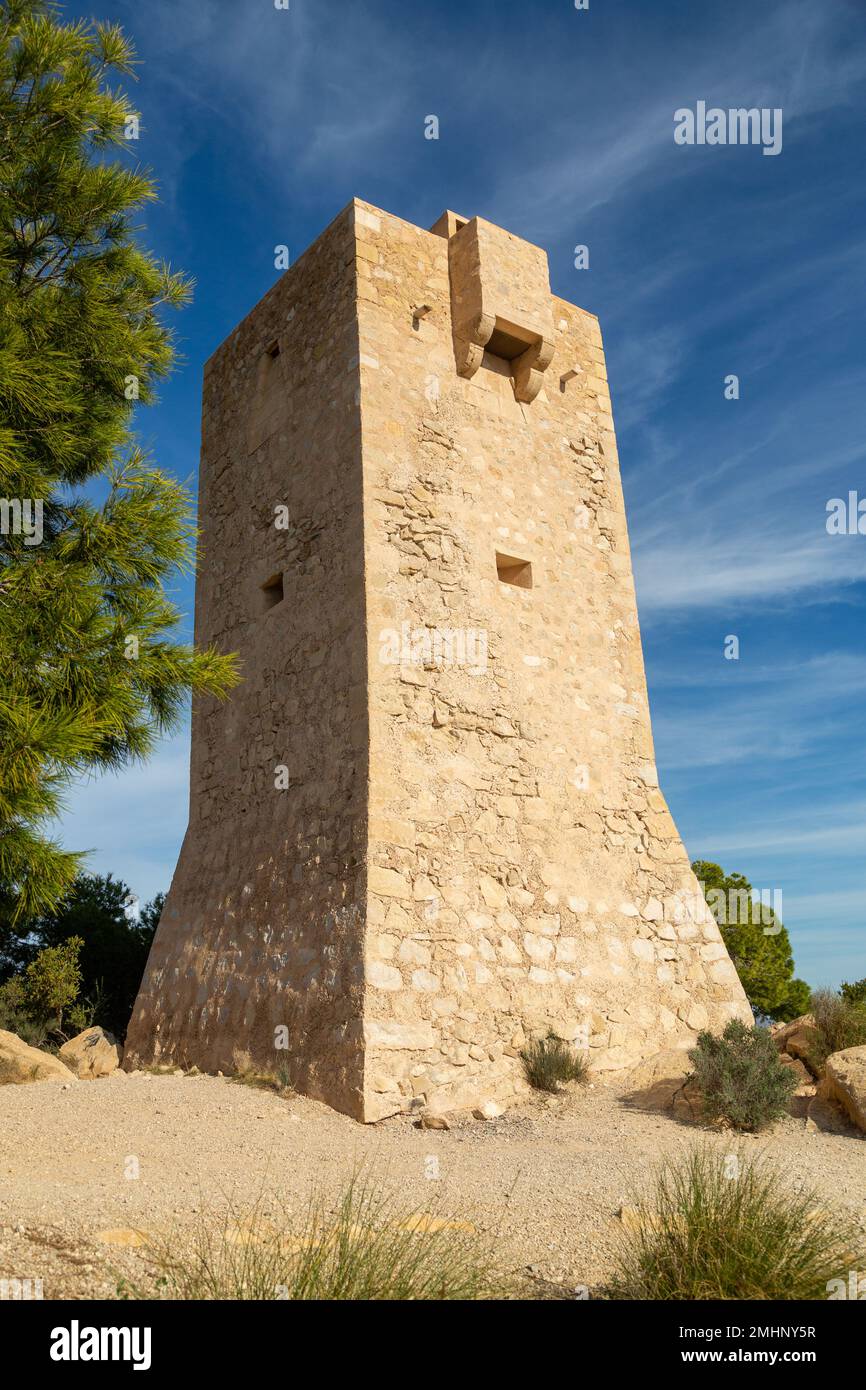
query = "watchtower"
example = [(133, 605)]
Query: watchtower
[(427, 825)]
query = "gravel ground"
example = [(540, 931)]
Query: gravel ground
[(548, 1179)]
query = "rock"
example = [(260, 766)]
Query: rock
[(123, 1236), (20, 1063), (845, 1082), (434, 1122), (637, 1219), (382, 1107), (631, 1218), (412, 1037), (802, 1045), (802, 1074), (797, 1039), (781, 1032), (826, 1115), (653, 1083), (91, 1053), (688, 1105), (489, 1110)]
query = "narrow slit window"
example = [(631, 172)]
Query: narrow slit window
[(273, 350), (272, 591), (512, 570)]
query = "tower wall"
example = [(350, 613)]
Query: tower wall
[(525, 873), (262, 928), (472, 848)]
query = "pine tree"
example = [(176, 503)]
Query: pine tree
[(90, 530), (114, 945), (757, 943)]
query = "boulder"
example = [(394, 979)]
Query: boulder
[(797, 1039), (802, 1045), (91, 1053), (688, 1104), (429, 1121), (653, 1083), (802, 1075), (19, 1062), (781, 1032), (845, 1082), (825, 1115), (488, 1110)]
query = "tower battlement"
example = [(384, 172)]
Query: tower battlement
[(427, 825)]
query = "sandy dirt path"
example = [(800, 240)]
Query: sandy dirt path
[(548, 1180)]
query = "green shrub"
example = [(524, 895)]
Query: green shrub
[(856, 993), (550, 1063), (740, 1076), (52, 980), (363, 1250), (720, 1226), (14, 1017), (840, 1022), (32, 1003)]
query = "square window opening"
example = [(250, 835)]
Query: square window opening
[(511, 570), (271, 592)]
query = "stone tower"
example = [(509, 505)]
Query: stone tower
[(427, 825)]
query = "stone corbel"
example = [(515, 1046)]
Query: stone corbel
[(528, 369), (470, 340)]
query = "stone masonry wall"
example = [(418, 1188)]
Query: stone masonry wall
[(263, 926), (525, 873)]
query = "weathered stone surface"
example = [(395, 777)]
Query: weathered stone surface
[(805, 1080), (801, 1044), (639, 1219), (687, 1104), (825, 1113), (781, 1032), (429, 1121), (124, 1236), (488, 1111), (91, 1054), (428, 821), (20, 1063), (845, 1082), (654, 1082)]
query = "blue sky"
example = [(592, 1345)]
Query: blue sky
[(704, 261)]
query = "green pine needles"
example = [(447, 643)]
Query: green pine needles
[(91, 532)]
